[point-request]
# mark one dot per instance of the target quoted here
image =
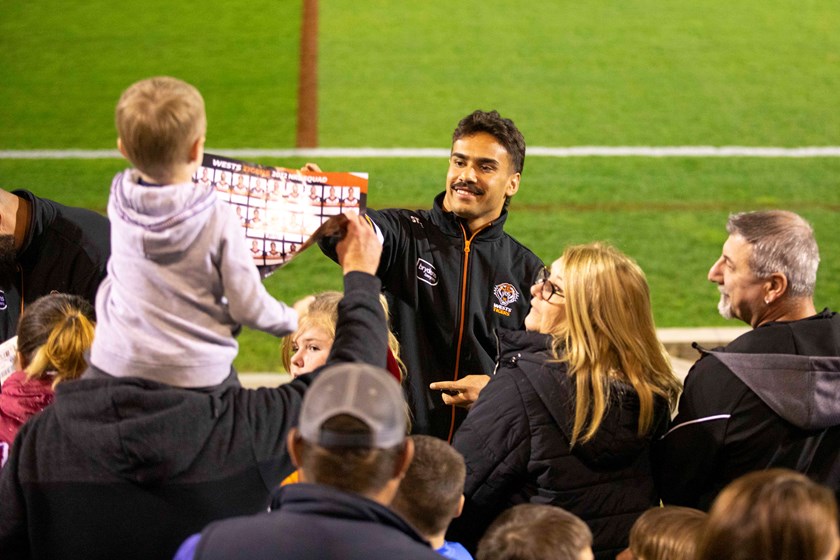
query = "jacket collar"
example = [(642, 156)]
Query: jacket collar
[(450, 224), (40, 215), (326, 501)]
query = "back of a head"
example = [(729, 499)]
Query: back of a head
[(502, 129), (777, 513), (782, 242), (667, 533), (536, 532), (609, 329), (158, 120), (54, 333), (352, 426), (430, 493)]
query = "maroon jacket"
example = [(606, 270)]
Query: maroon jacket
[(19, 400)]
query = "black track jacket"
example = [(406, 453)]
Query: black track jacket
[(449, 289)]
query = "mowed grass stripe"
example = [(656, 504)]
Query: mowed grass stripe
[(536, 151)]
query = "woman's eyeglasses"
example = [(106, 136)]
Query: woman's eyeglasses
[(547, 287)]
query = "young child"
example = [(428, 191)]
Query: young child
[(54, 333), (181, 279), (432, 493), (665, 533), (536, 532)]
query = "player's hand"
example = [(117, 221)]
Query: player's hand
[(359, 249), (463, 392)]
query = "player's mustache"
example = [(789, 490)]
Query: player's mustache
[(469, 187)]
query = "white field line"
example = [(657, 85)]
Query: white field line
[(536, 151)]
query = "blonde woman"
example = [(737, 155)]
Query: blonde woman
[(570, 413), (54, 334)]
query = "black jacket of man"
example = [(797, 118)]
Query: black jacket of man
[(65, 249), (449, 289)]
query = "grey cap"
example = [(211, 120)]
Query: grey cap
[(367, 393)]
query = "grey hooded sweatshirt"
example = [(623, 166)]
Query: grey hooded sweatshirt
[(180, 282)]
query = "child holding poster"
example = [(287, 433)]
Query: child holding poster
[(181, 278)]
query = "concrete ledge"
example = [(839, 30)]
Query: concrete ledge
[(677, 342), (263, 379)]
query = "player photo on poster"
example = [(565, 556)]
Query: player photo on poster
[(280, 209)]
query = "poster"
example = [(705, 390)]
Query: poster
[(280, 209)]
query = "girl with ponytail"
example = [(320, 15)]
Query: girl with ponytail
[(54, 334)]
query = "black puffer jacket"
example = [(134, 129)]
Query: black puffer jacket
[(515, 441)]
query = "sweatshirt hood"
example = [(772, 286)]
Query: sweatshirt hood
[(804, 390), (616, 443), (21, 398), (142, 431), (163, 220)]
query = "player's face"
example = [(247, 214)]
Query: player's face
[(311, 348), (480, 178), (741, 294), (548, 301)]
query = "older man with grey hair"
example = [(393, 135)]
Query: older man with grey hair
[(770, 398)]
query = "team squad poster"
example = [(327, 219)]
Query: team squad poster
[(279, 209)]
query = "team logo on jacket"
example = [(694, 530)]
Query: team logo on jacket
[(426, 272), (507, 295), (3, 304)]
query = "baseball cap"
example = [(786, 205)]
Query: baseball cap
[(365, 392)]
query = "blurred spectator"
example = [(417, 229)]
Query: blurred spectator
[(54, 334), (432, 493), (536, 532), (777, 513)]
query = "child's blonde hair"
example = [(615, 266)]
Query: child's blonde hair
[(54, 334), (667, 533), (158, 121), (322, 312)]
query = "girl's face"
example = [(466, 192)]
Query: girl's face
[(548, 301), (311, 348)]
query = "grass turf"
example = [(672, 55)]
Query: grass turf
[(643, 73)]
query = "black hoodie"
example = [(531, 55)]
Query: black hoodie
[(771, 398), (128, 467)]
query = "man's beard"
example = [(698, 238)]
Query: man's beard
[(8, 254), (725, 306)]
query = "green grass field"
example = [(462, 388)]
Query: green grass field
[(643, 73)]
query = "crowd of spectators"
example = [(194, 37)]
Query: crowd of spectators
[(485, 424)]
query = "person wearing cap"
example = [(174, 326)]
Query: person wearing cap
[(351, 451), (125, 467)]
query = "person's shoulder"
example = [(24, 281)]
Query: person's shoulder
[(399, 214), (521, 248), (454, 551)]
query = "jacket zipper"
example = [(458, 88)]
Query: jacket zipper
[(463, 301)]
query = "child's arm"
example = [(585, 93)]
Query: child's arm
[(249, 303)]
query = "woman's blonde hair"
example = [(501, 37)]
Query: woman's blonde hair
[(54, 334), (609, 334), (322, 312)]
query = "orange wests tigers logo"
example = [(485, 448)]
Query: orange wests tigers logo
[(507, 295)]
